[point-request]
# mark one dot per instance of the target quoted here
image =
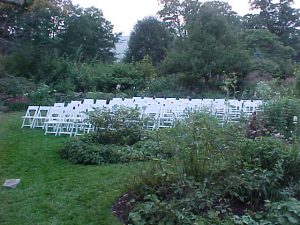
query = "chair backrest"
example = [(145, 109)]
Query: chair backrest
[(74, 104), (85, 108), (196, 104), (88, 101), (153, 108), (32, 111), (128, 102), (100, 103), (56, 113), (115, 101), (207, 103), (43, 111), (59, 104)]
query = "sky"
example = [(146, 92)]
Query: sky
[(124, 14)]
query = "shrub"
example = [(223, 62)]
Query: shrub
[(15, 86), (218, 177), (284, 212), (41, 96), (278, 116), (85, 151), (122, 126), (81, 151)]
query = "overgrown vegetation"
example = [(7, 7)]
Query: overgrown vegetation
[(218, 176)]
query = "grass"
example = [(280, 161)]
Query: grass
[(53, 191)]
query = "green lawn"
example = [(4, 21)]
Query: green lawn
[(53, 191)]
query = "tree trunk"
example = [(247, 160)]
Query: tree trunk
[(206, 82)]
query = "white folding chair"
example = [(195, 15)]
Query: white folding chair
[(219, 111), (234, 110), (40, 119), (29, 116), (128, 102), (66, 124), (83, 124), (151, 115), (166, 119), (53, 120), (207, 105), (196, 105)]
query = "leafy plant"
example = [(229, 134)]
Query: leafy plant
[(278, 116), (84, 151), (121, 126), (284, 212)]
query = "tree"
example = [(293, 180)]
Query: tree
[(47, 32), (88, 29), (268, 53), (279, 18), (211, 46), (149, 37), (173, 16)]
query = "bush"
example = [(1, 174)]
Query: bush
[(217, 177), (122, 126), (15, 86), (85, 151), (284, 212), (81, 151), (41, 96), (278, 116)]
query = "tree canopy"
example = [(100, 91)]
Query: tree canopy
[(148, 38), (191, 45), (61, 26)]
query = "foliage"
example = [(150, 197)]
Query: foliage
[(297, 86), (210, 48), (267, 90), (230, 84), (92, 32), (278, 116), (155, 211), (268, 53), (284, 212), (217, 177), (187, 53), (119, 138), (41, 96), (84, 151), (15, 86), (148, 38), (280, 18), (121, 126)]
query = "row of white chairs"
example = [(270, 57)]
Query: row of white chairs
[(72, 118), (58, 119)]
